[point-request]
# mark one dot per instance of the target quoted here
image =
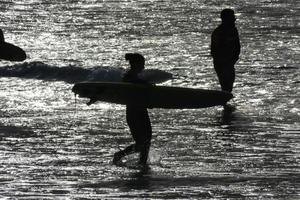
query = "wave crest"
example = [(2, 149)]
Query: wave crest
[(73, 74)]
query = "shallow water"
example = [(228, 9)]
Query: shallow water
[(53, 146)]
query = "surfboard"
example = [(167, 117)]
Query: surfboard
[(151, 96), (11, 52)]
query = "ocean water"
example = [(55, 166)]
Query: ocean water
[(54, 146)]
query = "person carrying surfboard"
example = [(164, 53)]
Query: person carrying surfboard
[(225, 49), (136, 116)]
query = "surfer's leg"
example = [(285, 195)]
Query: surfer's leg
[(146, 141), (226, 74), (143, 146), (223, 80), (228, 79), (144, 152), (120, 154), (129, 150), (220, 74)]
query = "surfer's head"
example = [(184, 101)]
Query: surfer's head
[(227, 16), (136, 61)]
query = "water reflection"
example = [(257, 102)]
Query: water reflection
[(140, 180)]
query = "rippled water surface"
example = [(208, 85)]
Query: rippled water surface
[(53, 146)]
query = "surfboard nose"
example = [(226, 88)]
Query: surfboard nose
[(21, 57), (75, 89), (82, 91)]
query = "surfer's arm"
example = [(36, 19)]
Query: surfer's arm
[(215, 42), (237, 45)]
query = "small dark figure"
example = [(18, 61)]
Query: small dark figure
[(225, 49), (9, 51), (1, 36), (137, 116)]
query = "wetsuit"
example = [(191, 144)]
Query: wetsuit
[(1, 37), (139, 124), (225, 50)]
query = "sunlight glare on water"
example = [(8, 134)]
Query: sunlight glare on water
[(54, 146)]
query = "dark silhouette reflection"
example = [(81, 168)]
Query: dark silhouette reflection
[(225, 49), (1, 37), (137, 116), (9, 51), (140, 179), (15, 132), (154, 184)]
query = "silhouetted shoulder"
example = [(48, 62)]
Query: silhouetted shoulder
[(225, 43), (132, 78)]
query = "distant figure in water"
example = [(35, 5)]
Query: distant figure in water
[(1, 37), (9, 51), (137, 116), (225, 49)]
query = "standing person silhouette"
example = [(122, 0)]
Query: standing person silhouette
[(1, 36), (137, 116), (225, 49)]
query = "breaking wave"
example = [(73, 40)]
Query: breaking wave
[(73, 74)]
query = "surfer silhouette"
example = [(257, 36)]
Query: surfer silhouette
[(225, 49), (136, 116), (1, 37)]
